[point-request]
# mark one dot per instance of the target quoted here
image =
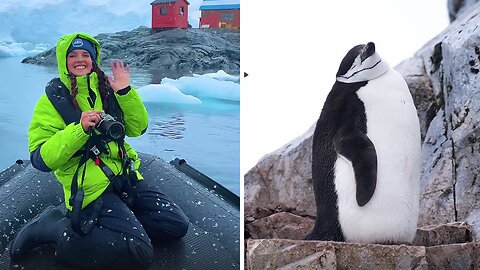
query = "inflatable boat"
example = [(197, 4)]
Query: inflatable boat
[(212, 241)]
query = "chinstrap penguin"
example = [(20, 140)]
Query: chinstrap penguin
[(366, 155)]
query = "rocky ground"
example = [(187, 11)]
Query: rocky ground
[(443, 77), (174, 52), (448, 246)]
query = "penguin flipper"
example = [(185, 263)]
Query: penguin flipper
[(359, 149)]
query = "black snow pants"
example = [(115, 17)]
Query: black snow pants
[(121, 237)]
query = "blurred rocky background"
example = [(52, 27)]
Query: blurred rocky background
[(173, 53)]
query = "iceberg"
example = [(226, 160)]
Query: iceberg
[(192, 89), (218, 85), (166, 94)]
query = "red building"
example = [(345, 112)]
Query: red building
[(220, 14), (169, 14)]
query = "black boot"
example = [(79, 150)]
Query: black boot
[(45, 228)]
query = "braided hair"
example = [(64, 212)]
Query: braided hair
[(74, 93), (103, 86)]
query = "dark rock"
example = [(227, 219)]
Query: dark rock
[(173, 53)]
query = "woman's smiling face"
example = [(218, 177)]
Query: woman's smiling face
[(79, 62)]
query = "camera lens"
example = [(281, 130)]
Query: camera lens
[(111, 128), (116, 131)]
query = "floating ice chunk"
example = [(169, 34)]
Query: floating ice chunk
[(161, 93), (206, 86), (221, 76)]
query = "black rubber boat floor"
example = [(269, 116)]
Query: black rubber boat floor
[(212, 242)]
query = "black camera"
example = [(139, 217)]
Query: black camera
[(110, 127)]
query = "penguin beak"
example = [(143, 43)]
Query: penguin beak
[(368, 51)]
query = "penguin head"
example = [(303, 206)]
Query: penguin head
[(361, 63)]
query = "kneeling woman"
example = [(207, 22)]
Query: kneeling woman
[(113, 213)]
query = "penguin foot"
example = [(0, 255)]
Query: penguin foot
[(32, 234), (316, 236), (310, 236)]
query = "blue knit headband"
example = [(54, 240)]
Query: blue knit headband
[(81, 43)]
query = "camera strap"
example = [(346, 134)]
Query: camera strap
[(128, 191), (77, 195)]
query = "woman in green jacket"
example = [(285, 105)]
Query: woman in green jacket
[(113, 213)]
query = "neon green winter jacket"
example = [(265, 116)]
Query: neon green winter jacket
[(57, 142)]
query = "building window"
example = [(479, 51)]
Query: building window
[(163, 10), (227, 16), (182, 11)]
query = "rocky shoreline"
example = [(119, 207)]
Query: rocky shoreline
[(173, 53)]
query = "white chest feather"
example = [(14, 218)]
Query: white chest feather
[(392, 125)]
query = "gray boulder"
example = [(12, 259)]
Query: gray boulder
[(275, 182), (457, 7), (451, 150)]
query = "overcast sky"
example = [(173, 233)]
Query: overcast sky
[(291, 51)]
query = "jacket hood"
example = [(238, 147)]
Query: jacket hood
[(61, 50)]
